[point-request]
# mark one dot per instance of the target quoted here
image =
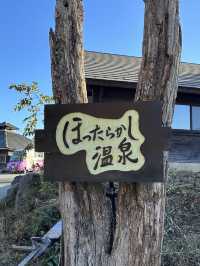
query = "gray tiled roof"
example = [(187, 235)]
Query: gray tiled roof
[(16, 141), (113, 67), (13, 141), (4, 125)]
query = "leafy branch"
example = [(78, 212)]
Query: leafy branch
[(32, 100)]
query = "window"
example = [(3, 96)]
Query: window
[(2, 139), (2, 159), (39, 155), (195, 123), (17, 156), (181, 119), (90, 95)]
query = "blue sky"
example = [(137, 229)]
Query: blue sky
[(110, 26)]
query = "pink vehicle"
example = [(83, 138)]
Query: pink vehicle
[(22, 162)]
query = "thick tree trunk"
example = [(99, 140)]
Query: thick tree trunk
[(67, 54), (141, 207), (84, 208), (97, 229)]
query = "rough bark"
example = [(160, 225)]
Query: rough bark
[(141, 207), (85, 209), (97, 229), (67, 54)]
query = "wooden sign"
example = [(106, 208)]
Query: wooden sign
[(103, 142)]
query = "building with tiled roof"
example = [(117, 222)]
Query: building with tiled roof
[(112, 77), (125, 69), (10, 141)]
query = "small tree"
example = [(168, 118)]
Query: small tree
[(32, 100)]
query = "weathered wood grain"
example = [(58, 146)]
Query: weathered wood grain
[(96, 230), (85, 209), (145, 204)]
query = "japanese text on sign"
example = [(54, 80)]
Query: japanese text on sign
[(110, 144)]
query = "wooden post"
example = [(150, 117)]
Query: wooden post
[(141, 207), (85, 209), (99, 229)]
